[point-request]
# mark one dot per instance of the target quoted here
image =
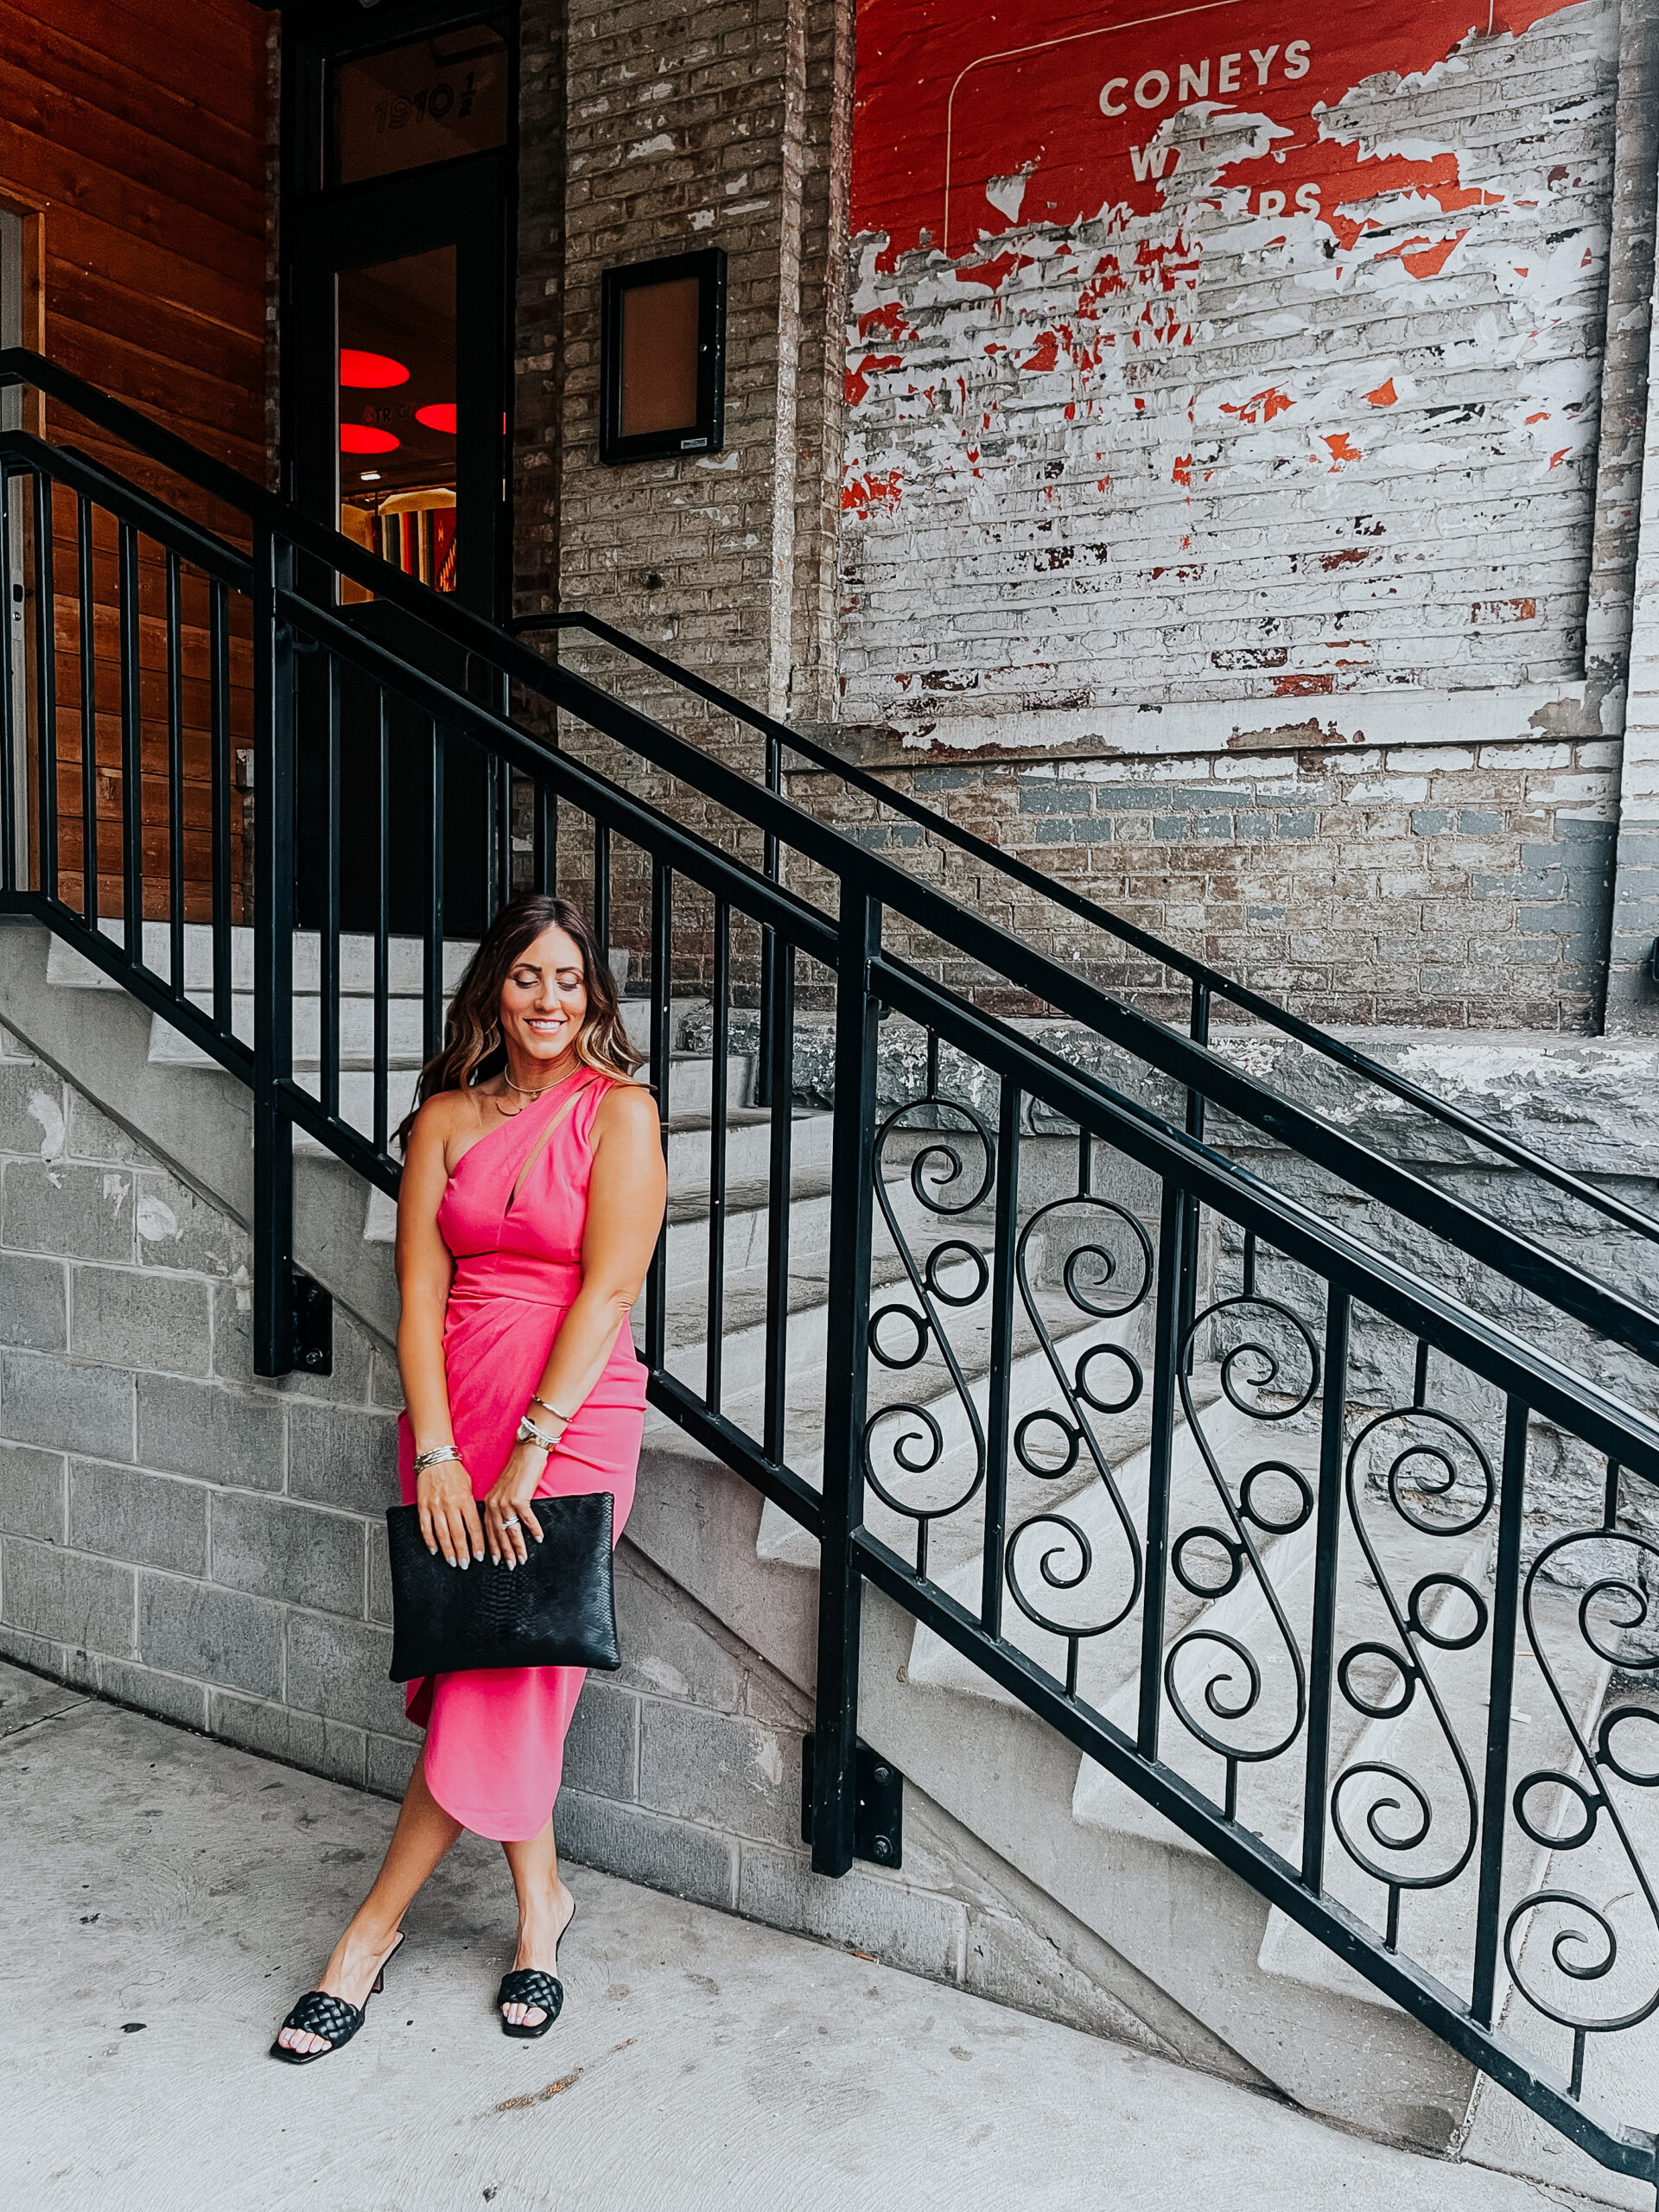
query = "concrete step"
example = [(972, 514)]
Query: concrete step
[(406, 961)]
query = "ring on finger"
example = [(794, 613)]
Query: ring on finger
[(510, 1520)]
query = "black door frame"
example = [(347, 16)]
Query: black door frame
[(328, 228), (325, 228)]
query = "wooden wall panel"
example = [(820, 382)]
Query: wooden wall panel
[(137, 133)]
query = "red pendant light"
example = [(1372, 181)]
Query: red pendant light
[(440, 416), (361, 371), (361, 437)]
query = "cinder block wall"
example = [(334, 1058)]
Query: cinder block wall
[(182, 1535)]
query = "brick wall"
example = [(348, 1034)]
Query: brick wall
[(1431, 887), (173, 1531), (1199, 446)]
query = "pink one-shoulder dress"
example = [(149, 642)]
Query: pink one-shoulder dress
[(495, 1737)]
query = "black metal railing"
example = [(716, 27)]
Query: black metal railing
[(1276, 1531)]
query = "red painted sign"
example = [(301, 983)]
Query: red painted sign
[(980, 119)]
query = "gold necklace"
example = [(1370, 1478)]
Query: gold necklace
[(524, 1092)]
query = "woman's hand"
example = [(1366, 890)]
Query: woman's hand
[(506, 1508), (449, 1519)]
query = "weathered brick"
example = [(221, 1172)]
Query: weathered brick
[(141, 1320), (723, 1772), (34, 1490), (34, 1308), (338, 1668), (86, 1604), (217, 1636), (148, 1520), (85, 1213), (216, 1434), (340, 1456), (296, 1553), (642, 1846), (44, 1401)]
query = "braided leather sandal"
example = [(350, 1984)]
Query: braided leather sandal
[(334, 2018), (532, 1986)]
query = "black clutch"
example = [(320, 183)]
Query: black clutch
[(558, 1609)]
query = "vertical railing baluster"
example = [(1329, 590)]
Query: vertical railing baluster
[(86, 586), (721, 984), (174, 779), (381, 918), (432, 963), (1327, 1539), (1198, 1029), (492, 854), (999, 1400), (1167, 1353), (132, 785), (602, 886), (781, 1103), (329, 936), (218, 715), (11, 738), (46, 682), (840, 1584), (273, 923), (662, 954), (544, 839), (1495, 1805), (770, 949)]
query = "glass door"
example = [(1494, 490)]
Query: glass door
[(396, 359)]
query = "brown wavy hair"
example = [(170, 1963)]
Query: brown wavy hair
[(472, 1050)]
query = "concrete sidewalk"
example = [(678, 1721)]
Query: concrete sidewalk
[(702, 2064)]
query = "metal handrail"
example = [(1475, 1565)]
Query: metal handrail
[(290, 628), (1204, 1074), (1215, 980)]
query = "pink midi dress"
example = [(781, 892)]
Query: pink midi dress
[(495, 1738)]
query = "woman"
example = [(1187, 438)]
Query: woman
[(532, 1193)]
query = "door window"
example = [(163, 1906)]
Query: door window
[(397, 414), (432, 100)]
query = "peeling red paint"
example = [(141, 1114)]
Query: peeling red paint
[(1261, 407), (1342, 447), (856, 382), (1350, 557), (1182, 472), (1301, 687), (1504, 610), (1045, 355), (1385, 395), (993, 272), (861, 493), (890, 318), (1051, 94)]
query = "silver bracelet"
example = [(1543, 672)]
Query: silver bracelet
[(528, 1433), (435, 1458)]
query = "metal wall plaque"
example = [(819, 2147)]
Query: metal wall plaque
[(662, 358)]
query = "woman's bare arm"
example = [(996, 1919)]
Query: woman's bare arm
[(449, 1519), (626, 1192)]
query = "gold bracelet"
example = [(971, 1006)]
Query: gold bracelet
[(536, 1399)]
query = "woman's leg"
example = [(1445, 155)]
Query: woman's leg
[(544, 1909), (424, 1832)]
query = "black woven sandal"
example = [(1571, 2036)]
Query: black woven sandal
[(333, 2019), (531, 1985)]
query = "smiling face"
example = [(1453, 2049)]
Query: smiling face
[(543, 1000)]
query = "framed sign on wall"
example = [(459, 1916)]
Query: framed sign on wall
[(663, 356)]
